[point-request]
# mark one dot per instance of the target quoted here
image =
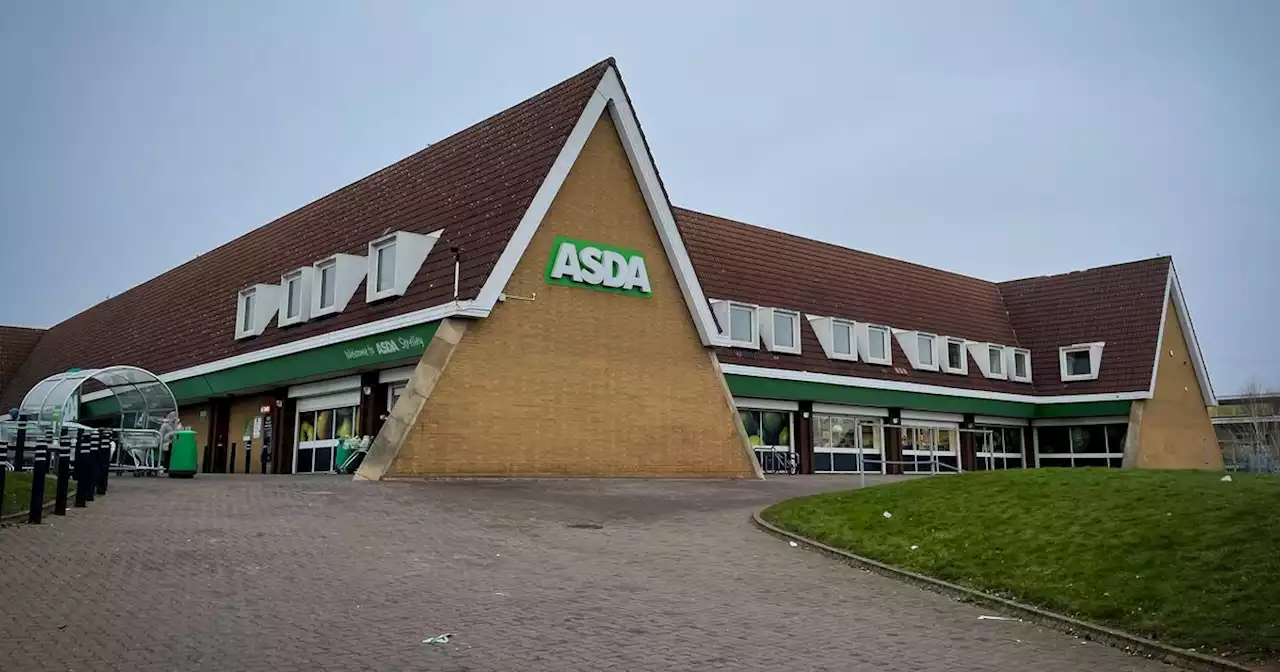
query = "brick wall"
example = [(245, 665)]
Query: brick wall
[(581, 382), (15, 344), (1174, 431)]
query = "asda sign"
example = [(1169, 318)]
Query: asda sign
[(597, 266)]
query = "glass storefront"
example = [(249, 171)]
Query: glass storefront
[(929, 450), (318, 433), (997, 448), (846, 444), (769, 432), (1085, 445)]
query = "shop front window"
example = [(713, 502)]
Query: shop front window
[(1091, 445), (929, 450), (318, 434), (768, 432), (997, 447), (844, 444)]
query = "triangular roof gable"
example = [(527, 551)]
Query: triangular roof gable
[(1173, 294), (610, 96)]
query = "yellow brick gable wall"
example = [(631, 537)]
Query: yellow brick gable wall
[(1174, 430), (581, 382)]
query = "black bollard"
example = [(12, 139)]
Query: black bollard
[(104, 463), (39, 469), (91, 468), (231, 463), (82, 471), (19, 446), (64, 480)]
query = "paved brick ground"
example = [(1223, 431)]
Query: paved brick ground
[(318, 573)]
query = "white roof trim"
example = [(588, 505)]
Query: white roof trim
[(766, 404), (608, 96), (900, 386), (1173, 291)]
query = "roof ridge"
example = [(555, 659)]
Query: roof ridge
[(1145, 260)]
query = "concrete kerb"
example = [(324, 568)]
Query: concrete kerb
[(1072, 626), (21, 516)]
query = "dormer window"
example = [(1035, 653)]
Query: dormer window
[(246, 309), (990, 358), (255, 306), (842, 338), (926, 350), (394, 261), (295, 304), (328, 272), (738, 322), (1080, 361), (779, 329), (873, 344), (921, 348), (955, 360), (1021, 368)]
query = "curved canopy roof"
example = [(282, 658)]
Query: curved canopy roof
[(144, 400)]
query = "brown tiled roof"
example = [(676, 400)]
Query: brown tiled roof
[(475, 184), (16, 343), (1121, 305)]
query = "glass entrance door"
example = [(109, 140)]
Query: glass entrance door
[(318, 434)]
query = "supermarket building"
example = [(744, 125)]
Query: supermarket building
[(521, 298)]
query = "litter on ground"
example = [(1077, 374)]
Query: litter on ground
[(888, 515), (438, 639), (793, 544), (985, 617)]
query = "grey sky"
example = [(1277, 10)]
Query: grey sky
[(997, 139)]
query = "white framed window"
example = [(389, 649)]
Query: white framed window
[(873, 344), (769, 432), (334, 281), (739, 324), (1080, 361), (845, 444), (926, 349), (255, 306), (990, 358), (953, 357), (930, 449), (394, 261), (779, 329), (295, 299), (246, 309), (1088, 443), (384, 267), (997, 447), (327, 272), (843, 340), (1020, 365)]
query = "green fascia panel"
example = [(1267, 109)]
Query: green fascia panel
[(357, 354), (99, 408), (770, 388)]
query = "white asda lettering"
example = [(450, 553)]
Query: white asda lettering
[(386, 346), (592, 266)]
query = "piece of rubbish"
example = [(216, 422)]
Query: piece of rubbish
[(438, 639), (1226, 479), (985, 617), (915, 547), (888, 515), (793, 544)]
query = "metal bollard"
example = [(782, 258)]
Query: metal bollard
[(64, 480), (91, 468), (104, 463), (19, 446), (39, 470), (82, 471)]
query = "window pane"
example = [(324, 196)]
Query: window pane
[(868, 435), (307, 426), (997, 366), (876, 342), (327, 290), (1013, 440), (1053, 439), (955, 355), (323, 459), (247, 323), (822, 462), (944, 440), (740, 319), (295, 298), (304, 460), (324, 425), (1088, 439), (344, 420), (751, 424), (775, 428), (1078, 363), (1019, 365), (925, 346), (1115, 437), (386, 267), (843, 339), (783, 324)]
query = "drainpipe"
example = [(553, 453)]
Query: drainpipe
[(457, 269)]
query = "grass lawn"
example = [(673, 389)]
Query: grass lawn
[(17, 492), (1179, 557)]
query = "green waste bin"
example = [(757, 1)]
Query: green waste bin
[(182, 454)]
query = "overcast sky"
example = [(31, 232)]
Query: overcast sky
[(996, 139)]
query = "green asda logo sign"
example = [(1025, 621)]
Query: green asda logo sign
[(597, 266)]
